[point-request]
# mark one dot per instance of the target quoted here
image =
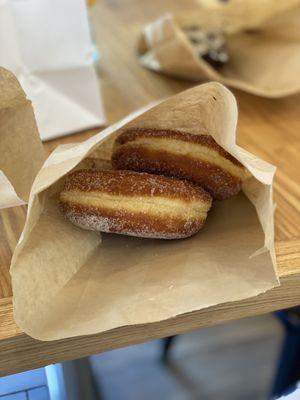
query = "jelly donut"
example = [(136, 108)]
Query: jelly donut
[(132, 203), (197, 158)]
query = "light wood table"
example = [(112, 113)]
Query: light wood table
[(268, 128)]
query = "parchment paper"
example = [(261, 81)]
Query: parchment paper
[(21, 150), (69, 282), (263, 45)]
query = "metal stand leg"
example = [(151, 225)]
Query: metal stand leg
[(71, 380), (167, 342), (288, 371)]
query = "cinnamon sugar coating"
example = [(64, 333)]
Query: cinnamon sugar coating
[(132, 203), (197, 158)]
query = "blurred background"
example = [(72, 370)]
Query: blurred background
[(233, 361)]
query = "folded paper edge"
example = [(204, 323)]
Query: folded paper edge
[(8, 195), (147, 57), (14, 96)]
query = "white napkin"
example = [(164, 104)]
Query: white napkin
[(47, 45)]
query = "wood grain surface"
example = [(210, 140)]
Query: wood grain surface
[(268, 128)]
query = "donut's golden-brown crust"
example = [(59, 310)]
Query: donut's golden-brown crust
[(206, 140), (218, 181), (131, 183), (133, 224), (133, 203)]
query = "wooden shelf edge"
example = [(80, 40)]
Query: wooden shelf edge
[(21, 352)]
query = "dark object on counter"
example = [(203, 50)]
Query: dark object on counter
[(167, 342), (288, 370), (209, 45)]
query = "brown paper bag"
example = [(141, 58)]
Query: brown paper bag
[(234, 15), (69, 282), (21, 150), (265, 62)]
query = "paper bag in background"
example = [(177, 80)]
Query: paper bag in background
[(234, 15), (47, 45), (265, 62), (68, 281), (21, 150)]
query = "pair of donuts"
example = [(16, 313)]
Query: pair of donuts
[(162, 186)]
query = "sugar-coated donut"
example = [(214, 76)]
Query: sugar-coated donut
[(132, 203), (197, 158)]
